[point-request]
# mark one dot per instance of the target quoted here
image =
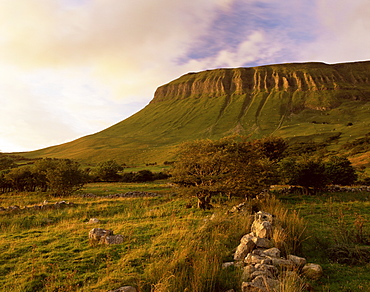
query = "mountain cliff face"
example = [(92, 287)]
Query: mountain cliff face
[(341, 80), (301, 102)]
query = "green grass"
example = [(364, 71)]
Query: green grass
[(333, 222), (228, 104), (167, 246), (164, 241)]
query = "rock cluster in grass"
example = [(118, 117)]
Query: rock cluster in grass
[(43, 206), (135, 194), (104, 236), (263, 265)]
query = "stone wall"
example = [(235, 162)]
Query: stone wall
[(264, 268)]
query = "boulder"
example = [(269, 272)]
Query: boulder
[(250, 287), (266, 274), (299, 262), (263, 216), (103, 236), (93, 221), (263, 267), (227, 265), (246, 246), (253, 259), (282, 264), (262, 229), (262, 242), (272, 252), (98, 234), (247, 273), (266, 283), (112, 239), (312, 271)]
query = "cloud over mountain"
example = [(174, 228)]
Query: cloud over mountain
[(72, 58)]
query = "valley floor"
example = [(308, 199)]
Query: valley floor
[(167, 245)]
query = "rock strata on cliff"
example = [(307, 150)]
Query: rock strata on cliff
[(345, 80)]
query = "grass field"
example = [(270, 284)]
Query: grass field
[(167, 246), (337, 222)]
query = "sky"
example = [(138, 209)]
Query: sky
[(70, 68)]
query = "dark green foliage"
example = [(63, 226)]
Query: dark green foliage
[(313, 172), (230, 166), (302, 148), (306, 172), (273, 148), (340, 171), (66, 177), (61, 176), (6, 163), (144, 175), (108, 170)]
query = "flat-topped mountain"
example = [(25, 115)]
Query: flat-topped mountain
[(291, 78), (300, 101)]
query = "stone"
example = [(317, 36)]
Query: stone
[(250, 287), (262, 229), (263, 216), (264, 267), (299, 262), (259, 251), (112, 239), (262, 242), (266, 283), (265, 273), (227, 265), (98, 234), (247, 273), (266, 261), (246, 238), (272, 252), (282, 264), (93, 221), (262, 225), (253, 259), (312, 271), (246, 246), (125, 289)]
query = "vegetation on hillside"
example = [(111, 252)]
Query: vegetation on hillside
[(233, 166), (168, 247), (227, 166), (320, 103), (60, 176)]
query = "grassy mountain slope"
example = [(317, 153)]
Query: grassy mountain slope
[(309, 101)]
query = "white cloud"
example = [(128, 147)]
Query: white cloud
[(344, 34), (71, 68)]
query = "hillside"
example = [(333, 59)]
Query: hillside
[(303, 101)]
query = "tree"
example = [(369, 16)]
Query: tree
[(339, 170), (143, 175), (306, 172), (6, 163), (108, 170), (21, 179), (230, 166), (273, 148), (66, 177)]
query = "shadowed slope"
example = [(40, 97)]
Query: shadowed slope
[(300, 101)]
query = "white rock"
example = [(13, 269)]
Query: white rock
[(312, 271)]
